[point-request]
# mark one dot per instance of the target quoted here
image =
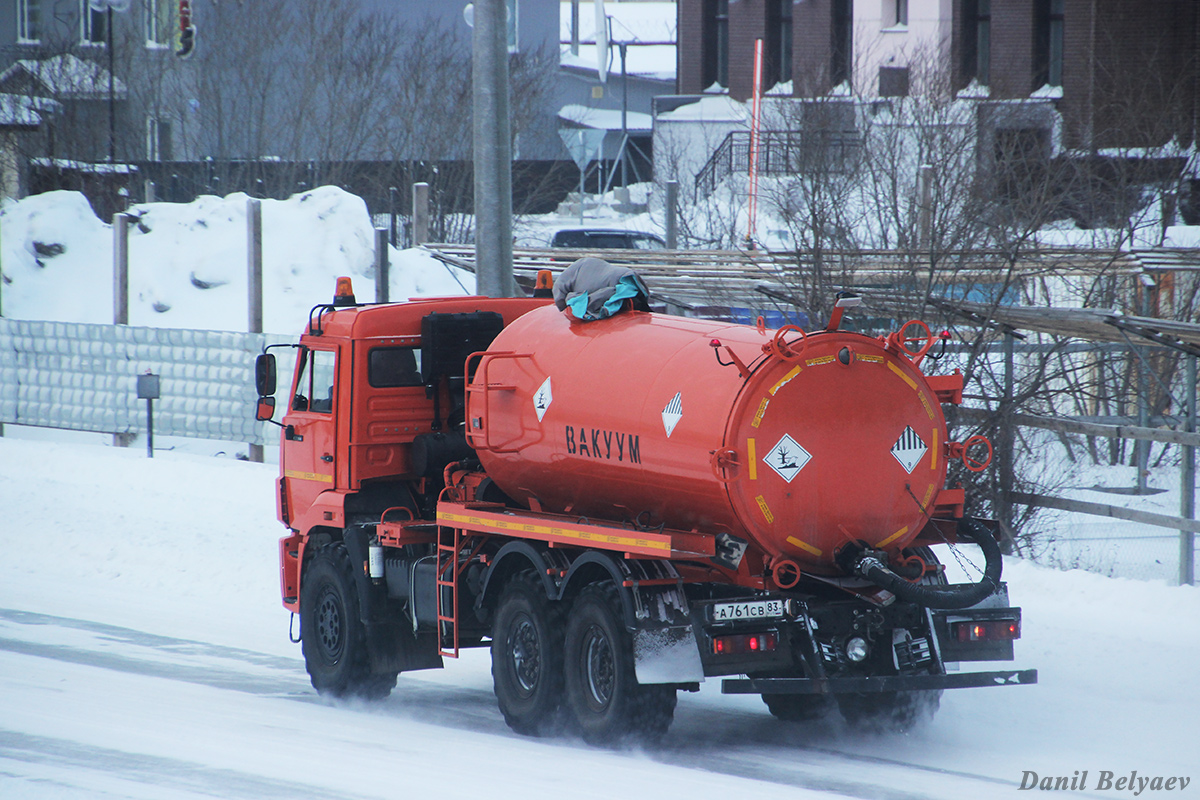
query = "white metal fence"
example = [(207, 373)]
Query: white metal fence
[(83, 377)]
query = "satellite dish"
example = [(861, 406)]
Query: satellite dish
[(601, 41), (469, 14)]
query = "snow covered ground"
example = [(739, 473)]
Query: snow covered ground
[(144, 654)]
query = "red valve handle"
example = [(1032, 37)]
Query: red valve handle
[(722, 460), (785, 572), (974, 464), (778, 346), (900, 340)]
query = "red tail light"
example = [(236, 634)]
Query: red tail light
[(988, 631), (745, 643)]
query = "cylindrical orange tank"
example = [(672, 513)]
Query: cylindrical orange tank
[(633, 417)]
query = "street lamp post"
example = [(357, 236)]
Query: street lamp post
[(108, 7)]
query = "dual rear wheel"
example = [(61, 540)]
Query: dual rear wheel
[(578, 676)]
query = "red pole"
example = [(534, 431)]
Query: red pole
[(755, 107)]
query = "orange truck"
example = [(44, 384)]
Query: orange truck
[(625, 507)]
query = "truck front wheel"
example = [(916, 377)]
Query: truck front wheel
[(332, 636), (527, 671), (605, 699)]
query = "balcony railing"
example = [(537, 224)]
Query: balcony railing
[(781, 153)]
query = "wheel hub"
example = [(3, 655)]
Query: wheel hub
[(599, 667), (525, 651), (329, 626)]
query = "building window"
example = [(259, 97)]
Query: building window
[(160, 22), (893, 81), (843, 39), (1022, 161), (511, 24), (93, 24), (158, 140), (29, 20), (977, 41), (716, 43), (1048, 43), (895, 13), (778, 44)]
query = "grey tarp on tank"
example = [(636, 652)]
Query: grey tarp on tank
[(594, 289)]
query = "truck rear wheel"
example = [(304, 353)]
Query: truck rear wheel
[(796, 707), (888, 711), (605, 699), (895, 711), (332, 635), (527, 672)]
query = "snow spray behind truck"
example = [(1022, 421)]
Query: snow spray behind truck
[(623, 504)]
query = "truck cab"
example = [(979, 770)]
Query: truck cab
[(375, 410)]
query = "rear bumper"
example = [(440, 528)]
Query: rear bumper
[(887, 683)]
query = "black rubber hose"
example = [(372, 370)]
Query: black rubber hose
[(943, 597)]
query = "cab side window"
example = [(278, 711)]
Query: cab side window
[(323, 363), (300, 401), (389, 367), (314, 387)]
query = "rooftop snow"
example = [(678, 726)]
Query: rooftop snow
[(604, 118), (656, 62), (67, 77), (629, 22), (648, 26), (717, 108), (19, 111)]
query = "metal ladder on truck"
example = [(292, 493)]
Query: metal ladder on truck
[(451, 563)]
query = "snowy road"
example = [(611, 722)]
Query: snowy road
[(116, 683), (144, 654)]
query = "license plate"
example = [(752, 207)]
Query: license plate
[(747, 610)]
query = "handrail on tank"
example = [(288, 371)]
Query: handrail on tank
[(482, 441)]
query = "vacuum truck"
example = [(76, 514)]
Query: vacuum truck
[(623, 504)]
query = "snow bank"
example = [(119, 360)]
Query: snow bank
[(187, 262)]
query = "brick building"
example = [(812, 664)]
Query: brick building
[(1122, 73)]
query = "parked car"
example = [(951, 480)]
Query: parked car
[(597, 238)]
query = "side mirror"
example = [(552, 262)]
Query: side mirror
[(264, 376), (266, 409)]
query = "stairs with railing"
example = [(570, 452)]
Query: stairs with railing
[(781, 152)]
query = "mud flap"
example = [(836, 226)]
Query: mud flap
[(394, 647), (664, 643)]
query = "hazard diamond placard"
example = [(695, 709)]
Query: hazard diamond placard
[(787, 458), (908, 449), (542, 400), (672, 413)]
